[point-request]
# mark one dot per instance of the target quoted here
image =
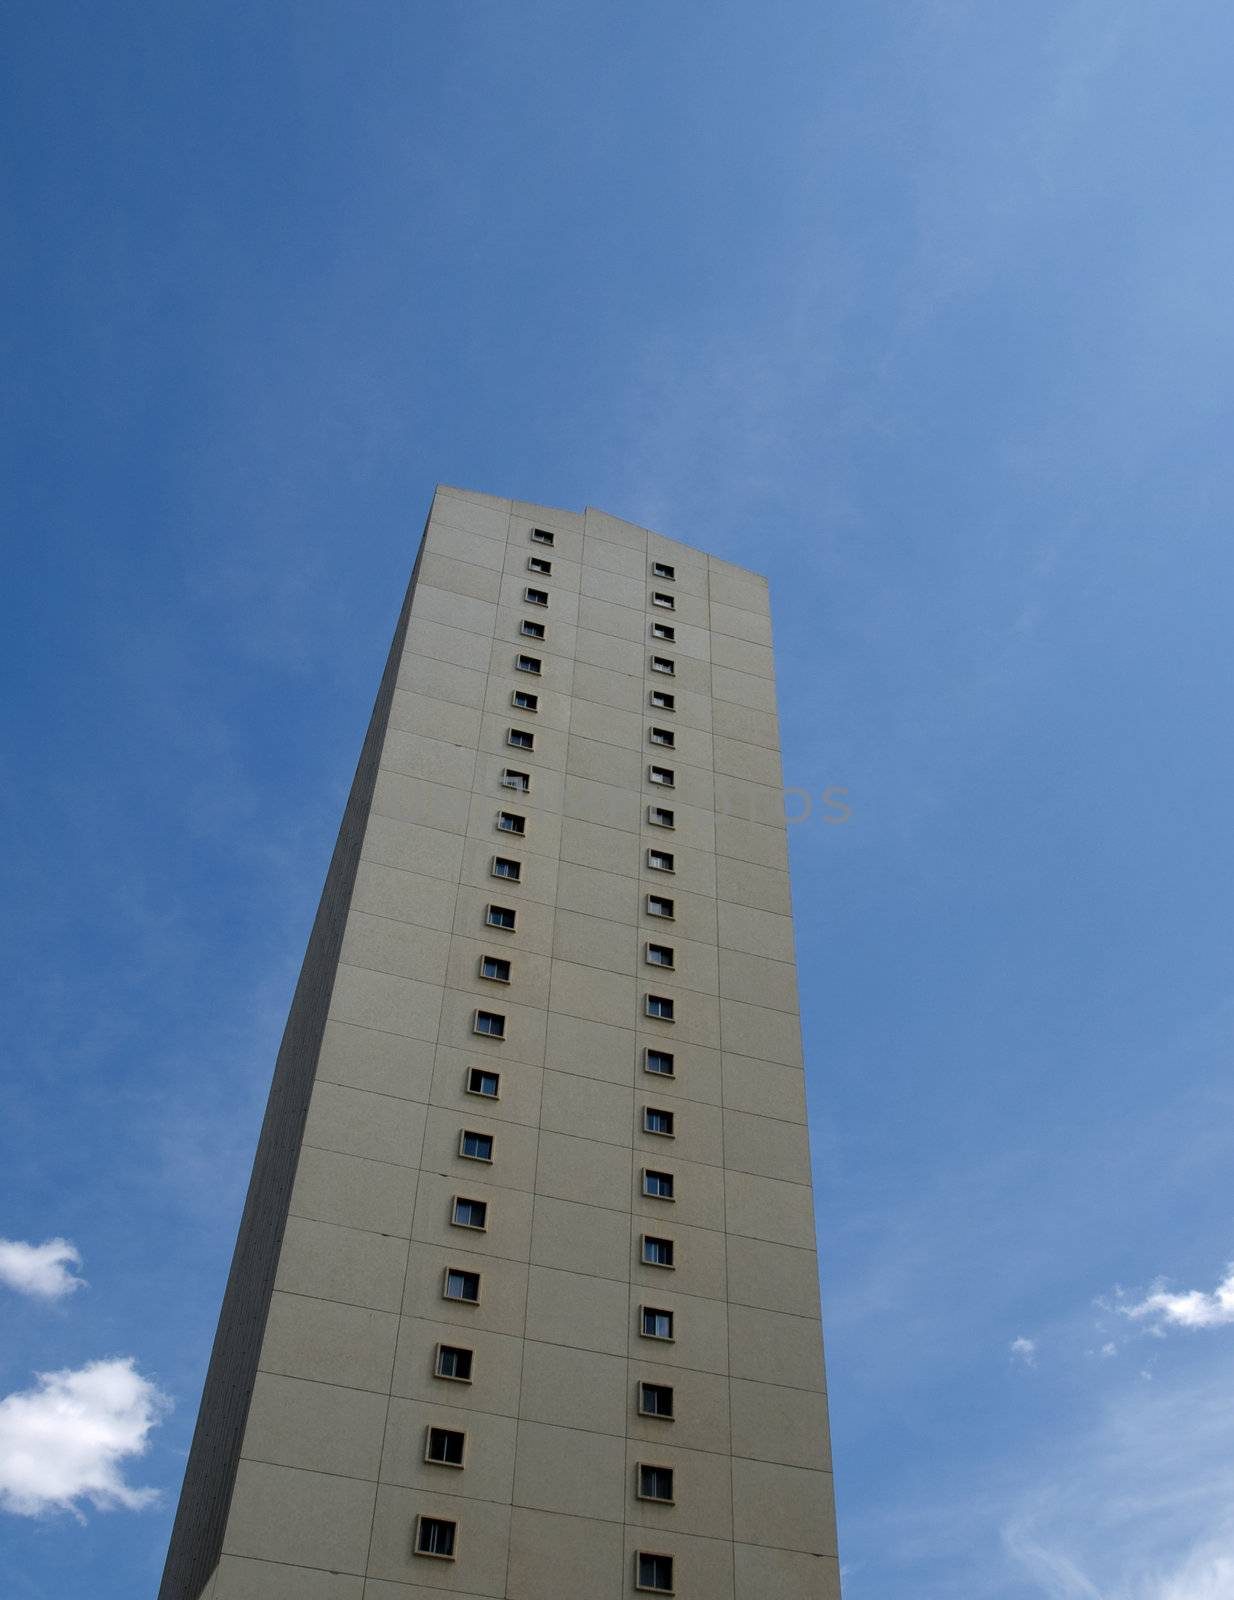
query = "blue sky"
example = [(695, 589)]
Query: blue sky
[(921, 308)]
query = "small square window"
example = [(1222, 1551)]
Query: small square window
[(511, 822), (501, 917), (655, 1400), (484, 1083), (664, 776), (535, 597), (665, 601), (470, 1213), (436, 1537), (527, 664), (661, 817), (655, 1483), (454, 1362), (510, 779), (490, 1023), (664, 664), (532, 630), (657, 1120), (658, 1005), (464, 1286), (475, 1146), (541, 536), (664, 736), (661, 630), (661, 569), (660, 1062), (653, 1574), (444, 1447), (655, 1324), (657, 1252), (661, 861), (657, 1185), (540, 564), (496, 968), (523, 700), (521, 739), (662, 700), (658, 955), (505, 867), (659, 905)]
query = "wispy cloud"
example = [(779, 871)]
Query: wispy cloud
[(1024, 1350), (64, 1440), (1193, 1309), (42, 1270)]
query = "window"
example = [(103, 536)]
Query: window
[(661, 860), (664, 776), (661, 569), (521, 739), (659, 598), (654, 1574), (657, 1252), (656, 1120), (541, 536), (527, 664), (657, 1185), (482, 1082), (655, 1483), (658, 1005), (659, 905), (464, 1286), (510, 779), (535, 597), (476, 1146), (495, 968), (511, 822), (656, 1324), (521, 700), (491, 1023), (664, 736), (655, 1400), (530, 629), (661, 817), (661, 630), (435, 1537), (662, 700), (660, 1062), (658, 955), (663, 664), (444, 1447), (454, 1362), (505, 867), (470, 1213), (540, 564), (500, 917)]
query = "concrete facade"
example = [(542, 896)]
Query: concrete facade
[(457, 1317)]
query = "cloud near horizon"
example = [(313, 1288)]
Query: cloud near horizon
[(42, 1270), (1193, 1309), (63, 1440)]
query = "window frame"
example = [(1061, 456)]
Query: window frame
[(660, 1388), (445, 1433), (661, 700), (532, 665), (668, 1499), (519, 832), (422, 1522), (665, 738), (475, 1133), (660, 1111), (495, 977), (664, 570), (524, 700), (668, 1055), (529, 628), (654, 821), (543, 536), (664, 665), (665, 601), (520, 738), (665, 900), (661, 860), (504, 911), (512, 778), (540, 565), (658, 1175), (457, 1349), (461, 1299), (506, 861), (533, 596), (664, 966), (488, 1033), (662, 777), (645, 1260), (644, 1311), (664, 632), (468, 1200), (482, 1094)]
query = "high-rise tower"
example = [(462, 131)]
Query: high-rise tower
[(525, 1300)]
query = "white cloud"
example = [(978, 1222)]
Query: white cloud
[(64, 1440), (1194, 1309), (1025, 1350), (42, 1270)]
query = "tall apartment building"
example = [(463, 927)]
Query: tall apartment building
[(525, 1299)]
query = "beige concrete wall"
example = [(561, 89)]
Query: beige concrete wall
[(333, 1473)]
